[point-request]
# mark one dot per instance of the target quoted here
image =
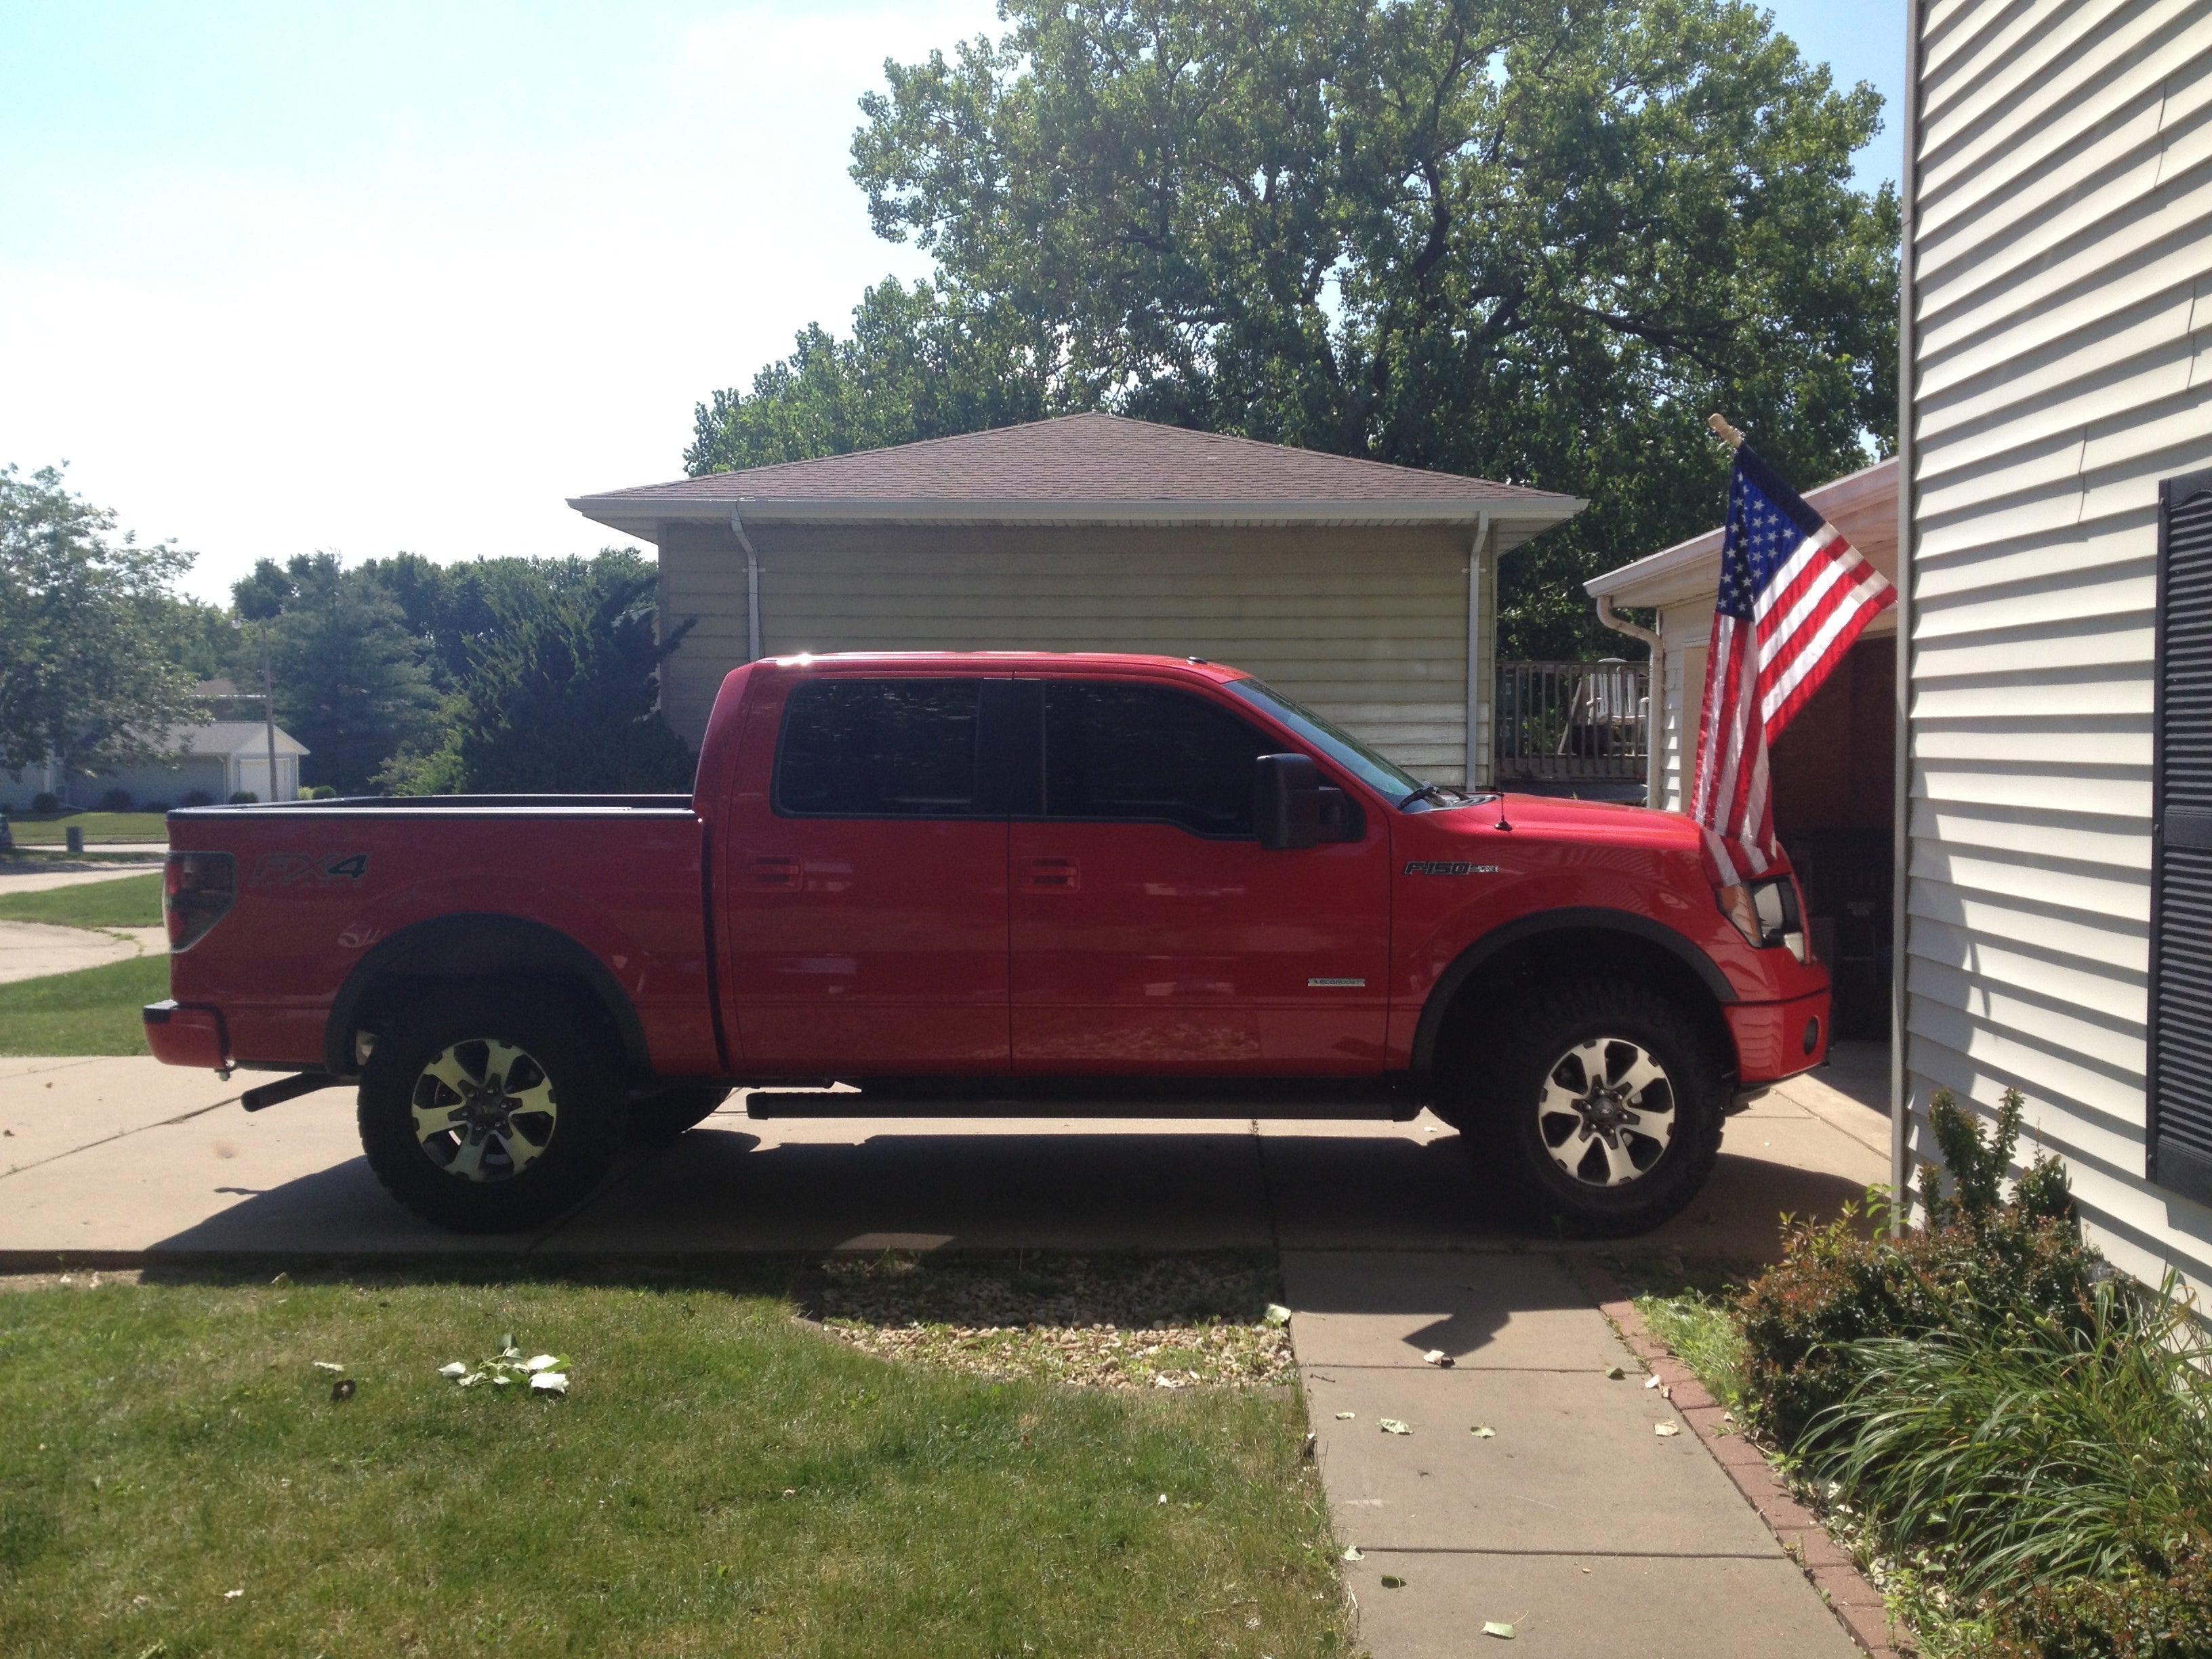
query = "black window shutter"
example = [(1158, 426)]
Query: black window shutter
[(2178, 1075)]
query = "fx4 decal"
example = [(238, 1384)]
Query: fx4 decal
[(286, 869), (1444, 868)]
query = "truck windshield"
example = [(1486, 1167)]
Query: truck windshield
[(1384, 777)]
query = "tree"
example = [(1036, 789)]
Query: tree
[(922, 362), (87, 629), (349, 680), (562, 696), (1533, 242)]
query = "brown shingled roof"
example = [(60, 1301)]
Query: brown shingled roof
[(1090, 460)]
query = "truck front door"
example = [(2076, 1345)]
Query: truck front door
[(863, 881), (1151, 932)]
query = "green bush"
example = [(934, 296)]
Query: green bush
[(1980, 1258), (2141, 1616)]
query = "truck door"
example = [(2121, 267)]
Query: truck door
[(1151, 932), (864, 883)]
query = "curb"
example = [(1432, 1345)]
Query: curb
[(1856, 1603)]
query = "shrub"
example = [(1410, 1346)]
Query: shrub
[(45, 801), (1980, 1259), (153, 806), (197, 797), (244, 798), (322, 792), (115, 800), (2141, 1616)]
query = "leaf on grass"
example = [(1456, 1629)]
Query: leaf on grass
[(341, 1389), (1438, 1358), (1392, 1425), (1278, 1314), (1483, 1431), (543, 1362), (232, 1595), (549, 1382), (1666, 1428), (1164, 1498), (456, 1370), (1502, 1630), (1351, 1552), (329, 1365)]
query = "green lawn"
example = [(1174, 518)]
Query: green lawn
[(126, 901), (93, 1012), (719, 1480), (45, 829)]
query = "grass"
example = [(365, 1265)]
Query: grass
[(92, 1011), (719, 1480), (126, 901), (47, 829)]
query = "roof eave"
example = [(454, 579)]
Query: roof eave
[(638, 516)]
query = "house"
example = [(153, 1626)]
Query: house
[(1832, 770), (2054, 929), (1364, 590), (215, 759)]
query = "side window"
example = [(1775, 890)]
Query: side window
[(1112, 750), (879, 748)]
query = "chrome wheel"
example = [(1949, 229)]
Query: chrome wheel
[(1607, 1112), (484, 1110)]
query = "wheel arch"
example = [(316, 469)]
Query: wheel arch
[(1561, 941), (477, 945)]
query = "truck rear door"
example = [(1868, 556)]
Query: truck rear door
[(863, 879)]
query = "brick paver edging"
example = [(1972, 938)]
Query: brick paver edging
[(1852, 1599)]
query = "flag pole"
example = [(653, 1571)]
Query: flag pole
[(1727, 433)]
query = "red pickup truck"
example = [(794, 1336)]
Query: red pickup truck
[(990, 882)]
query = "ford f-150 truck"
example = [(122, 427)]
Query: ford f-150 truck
[(990, 882)]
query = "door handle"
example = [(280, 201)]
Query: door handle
[(1051, 875)]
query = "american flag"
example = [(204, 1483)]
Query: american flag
[(1794, 595)]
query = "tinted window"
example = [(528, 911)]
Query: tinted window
[(855, 748), (1116, 750)]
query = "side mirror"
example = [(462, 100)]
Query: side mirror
[(1286, 792)]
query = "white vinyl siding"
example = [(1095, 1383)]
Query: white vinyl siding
[(2063, 321), (1367, 626)]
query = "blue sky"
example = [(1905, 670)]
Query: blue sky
[(298, 276)]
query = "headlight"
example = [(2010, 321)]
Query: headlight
[(1765, 913)]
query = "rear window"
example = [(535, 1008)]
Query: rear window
[(1116, 750), (878, 748)]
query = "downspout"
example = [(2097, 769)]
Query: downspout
[(1900, 1156), (1655, 689), (1477, 771), (752, 586)]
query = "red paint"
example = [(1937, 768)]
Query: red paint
[(855, 947), (186, 1037)]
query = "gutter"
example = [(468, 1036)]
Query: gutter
[(1531, 514), (1900, 1104), (1621, 624), (752, 586)]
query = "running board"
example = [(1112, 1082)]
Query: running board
[(1360, 1103)]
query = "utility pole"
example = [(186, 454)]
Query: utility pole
[(269, 710)]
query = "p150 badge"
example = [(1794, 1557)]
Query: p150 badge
[(1444, 868)]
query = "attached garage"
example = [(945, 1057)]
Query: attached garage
[(1362, 590)]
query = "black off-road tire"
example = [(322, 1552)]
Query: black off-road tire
[(1498, 1094), (572, 1070), (660, 1117)]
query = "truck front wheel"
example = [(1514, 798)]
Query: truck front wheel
[(490, 1112), (1603, 1099)]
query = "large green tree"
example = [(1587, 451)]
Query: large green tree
[(349, 679), (90, 635), (1534, 242)]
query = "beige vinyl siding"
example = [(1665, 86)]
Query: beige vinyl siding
[(1366, 626), (2063, 320)]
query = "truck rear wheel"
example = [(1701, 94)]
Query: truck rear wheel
[(490, 1112), (1603, 1101)]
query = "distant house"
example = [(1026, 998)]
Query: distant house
[(216, 758), (2057, 445), (1366, 591), (1833, 771)]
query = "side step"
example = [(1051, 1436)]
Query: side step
[(1357, 1100)]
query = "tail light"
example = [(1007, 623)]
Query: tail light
[(198, 890)]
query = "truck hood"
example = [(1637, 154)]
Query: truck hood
[(1576, 820)]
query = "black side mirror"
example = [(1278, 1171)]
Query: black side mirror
[(1286, 791)]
